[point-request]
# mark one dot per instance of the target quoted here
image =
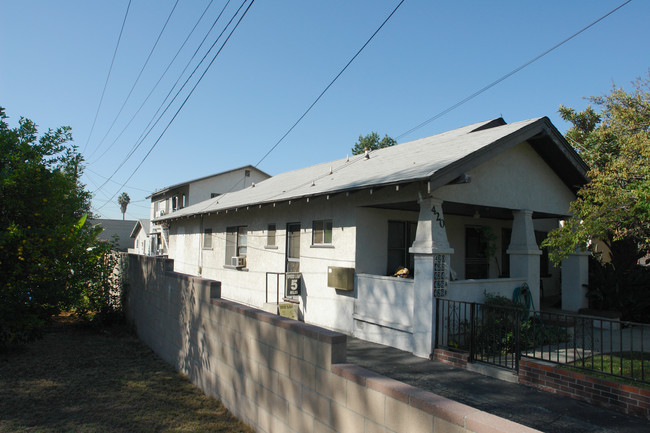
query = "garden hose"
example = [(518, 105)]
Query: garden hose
[(522, 297)]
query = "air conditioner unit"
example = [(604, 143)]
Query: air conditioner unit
[(238, 262)]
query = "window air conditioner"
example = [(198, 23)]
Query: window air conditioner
[(238, 262)]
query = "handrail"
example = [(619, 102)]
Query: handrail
[(277, 285)]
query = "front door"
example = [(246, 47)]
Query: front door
[(293, 247)]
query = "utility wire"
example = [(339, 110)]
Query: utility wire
[(119, 38), (311, 106), (509, 74), (146, 132), (329, 85), (186, 99), (138, 78), (155, 85), (86, 169)]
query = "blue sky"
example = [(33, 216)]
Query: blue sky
[(55, 56)]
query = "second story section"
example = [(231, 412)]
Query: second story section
[(175, 197)]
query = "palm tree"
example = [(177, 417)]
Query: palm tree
[(123, 200)]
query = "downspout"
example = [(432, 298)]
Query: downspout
[(201, 247)]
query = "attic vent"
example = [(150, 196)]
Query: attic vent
[(491, 124)]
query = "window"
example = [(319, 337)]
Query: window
[(207, 239), (236, 242), (178, 202), (401, 235), (321, 232), (270, 236), (476, 253)]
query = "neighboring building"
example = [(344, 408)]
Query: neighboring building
[(116, 230), (141, 233), (171, 199), (464, 211)]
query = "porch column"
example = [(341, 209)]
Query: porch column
[(524, 252), (431, 278), (575, 277)]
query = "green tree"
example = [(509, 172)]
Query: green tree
[(48, 254), (614, 206), (123, 200), (371, 142)]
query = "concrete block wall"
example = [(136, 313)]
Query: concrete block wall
[(276, 374)]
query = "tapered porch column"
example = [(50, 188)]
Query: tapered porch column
[(524, 252), (431, 278)]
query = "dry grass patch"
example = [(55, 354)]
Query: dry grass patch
[(87, 380)]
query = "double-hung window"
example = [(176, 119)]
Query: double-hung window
[(321, 232), (207, 239), (270, 235), (236, 242)]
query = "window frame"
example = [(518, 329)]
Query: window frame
[(207, 234), (236, 243), (271, 236), (321, 229), (408, 231)]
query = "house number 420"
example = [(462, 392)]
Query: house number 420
[(440, 220)]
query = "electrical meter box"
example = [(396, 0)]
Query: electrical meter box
[(340, 278)]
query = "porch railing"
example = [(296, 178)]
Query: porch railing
[(501, 335)]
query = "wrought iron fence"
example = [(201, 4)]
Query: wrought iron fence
[(501, 335)]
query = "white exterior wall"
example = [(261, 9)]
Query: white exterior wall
[(227, 182), (319, 304), (141, 243), (515, 179), (372, 240)]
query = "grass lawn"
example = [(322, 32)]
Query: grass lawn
[(632, 365), (78, 379)]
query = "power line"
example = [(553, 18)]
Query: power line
[(86, 169), (146, 132), (188, 96), (509, 74), (155, 85), (119, 38), (138, 78), (329, 85), (314, 103)]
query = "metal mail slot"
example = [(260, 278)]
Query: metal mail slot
[(340, 278)]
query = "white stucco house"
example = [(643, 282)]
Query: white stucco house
[(464, 211), (173, 198), (141, 235)]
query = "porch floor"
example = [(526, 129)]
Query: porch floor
[(525, 405)]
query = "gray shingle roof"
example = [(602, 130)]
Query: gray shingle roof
[(423, 159)]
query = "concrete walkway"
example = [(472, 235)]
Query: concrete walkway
[(528, 406)]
